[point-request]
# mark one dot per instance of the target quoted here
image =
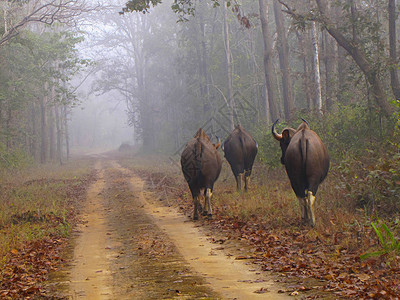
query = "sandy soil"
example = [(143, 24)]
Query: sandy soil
[(128, 247), (90, 275)]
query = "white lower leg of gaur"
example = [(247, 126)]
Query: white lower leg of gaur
[(208, 202), (310, 207)]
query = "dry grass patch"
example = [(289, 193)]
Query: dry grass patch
[(268, 218), (39, 203)]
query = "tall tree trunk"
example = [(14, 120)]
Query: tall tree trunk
[(58, 133), (8, 128), (32, 139), (306, 72), (283, 51), (330, 52), (43, 130), (66, 132), (317, 74), (360, 58), (394, 77), (52, 127), (228, 56), (253, 66), (341, 67), (330, 71), (202, 49), (52, 134), (271, 108)]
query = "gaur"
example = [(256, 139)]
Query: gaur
[(201, 166), (306, 162)]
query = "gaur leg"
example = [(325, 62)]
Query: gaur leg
[(310, 208), (246, 180), (239, 182), (208, 202), (205, 208), (196, 200)]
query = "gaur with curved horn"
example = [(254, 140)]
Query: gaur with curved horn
[(306, 161), (240, 150), (201, 165)]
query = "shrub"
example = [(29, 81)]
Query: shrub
[(14, 159)]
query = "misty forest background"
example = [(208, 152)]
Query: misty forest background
[(80, 75)]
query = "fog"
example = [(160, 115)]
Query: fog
[(143, 85), (99, 124)]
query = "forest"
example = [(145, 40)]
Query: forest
[(333, 63), (174, 66)]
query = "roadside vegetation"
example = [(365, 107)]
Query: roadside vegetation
[(354, 248), (38, 209)]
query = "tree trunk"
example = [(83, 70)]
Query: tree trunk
[(202, 49), (283, 51), (43, 131), (270, 101), (58, 133), (52, 127), (394, 77), (330, 71), (228, 56), (317, 74), (32, 139), (66, 133), (306, 71), (255, 95), (360, 58), (52, 134), (8, 128)]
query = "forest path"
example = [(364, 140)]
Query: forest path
[(90, 275), (129, 247)]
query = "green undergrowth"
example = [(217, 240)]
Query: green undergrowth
[(39, 203)]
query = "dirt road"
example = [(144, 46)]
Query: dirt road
[(128, 247)]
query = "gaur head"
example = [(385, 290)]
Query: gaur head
[(286, 135)]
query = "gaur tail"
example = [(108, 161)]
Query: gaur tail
[(303, 149), (198, 152), (244, 152)]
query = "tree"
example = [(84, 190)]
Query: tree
[(35, 69), (21, 13), (283, 53), (182, 7), (270, 102), (353, 48), (228, 54), (317, 75), (394, 77)]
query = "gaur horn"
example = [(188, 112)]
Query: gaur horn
[(274, 133), (304, 120), (218, 142)]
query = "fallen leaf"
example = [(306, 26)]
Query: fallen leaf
[(240, 257), (261, 291), (363, 277)]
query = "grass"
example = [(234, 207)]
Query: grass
[(38, 203), (341, 223), (267, 218)]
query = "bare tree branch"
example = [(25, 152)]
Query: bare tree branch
[(60, 11)]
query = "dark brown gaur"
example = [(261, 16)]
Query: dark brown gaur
[(201, 165), (240, 150), (306, 161)]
